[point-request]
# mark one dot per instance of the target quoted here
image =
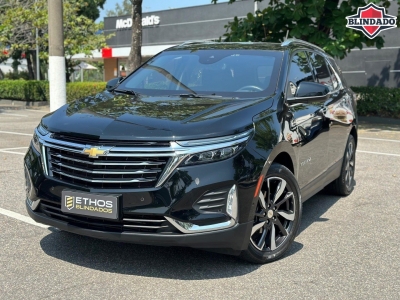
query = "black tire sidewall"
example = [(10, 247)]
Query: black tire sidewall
[(342, 179), (253, 254)]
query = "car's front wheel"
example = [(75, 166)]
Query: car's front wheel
[(277, 216)]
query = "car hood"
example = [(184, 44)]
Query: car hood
[(127, 117)]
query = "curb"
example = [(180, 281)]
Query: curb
[(10, 104)]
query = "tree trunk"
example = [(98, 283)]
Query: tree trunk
[(29, 65), (34, 69), (68, 70), (135, 56)]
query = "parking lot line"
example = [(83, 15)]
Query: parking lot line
[(11, 152), (379, 153), (6, 149), (20, 217), (17, 115), (383, 140), (17, 133)]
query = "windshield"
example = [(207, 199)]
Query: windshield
[(230, 73)]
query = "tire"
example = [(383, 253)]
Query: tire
[(344, 185), (276, 218)]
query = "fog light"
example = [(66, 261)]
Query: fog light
[(232, 202)]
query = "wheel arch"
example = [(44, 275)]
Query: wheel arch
[(283, 154)]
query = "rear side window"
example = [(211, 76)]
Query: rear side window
[(300, 70)]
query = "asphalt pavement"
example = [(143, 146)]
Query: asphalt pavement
[(347, 248)]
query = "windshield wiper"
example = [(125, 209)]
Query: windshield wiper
[(131, 92), (191, 95)]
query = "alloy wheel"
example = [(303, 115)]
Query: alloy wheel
[(275, 215)]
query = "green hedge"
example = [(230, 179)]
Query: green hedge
[(77, 90), (27, 90), (378, 101), (30, 90)]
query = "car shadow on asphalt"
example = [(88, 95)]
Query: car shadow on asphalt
[(166, 262)]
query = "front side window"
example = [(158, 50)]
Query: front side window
[(300, 70), (322, 72), (237, 73)]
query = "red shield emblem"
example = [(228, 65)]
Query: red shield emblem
[(371, 20)]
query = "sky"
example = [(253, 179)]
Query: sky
[(154, 5)]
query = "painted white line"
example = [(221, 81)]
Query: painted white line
[(383, 140), (37, 111), (379, 153), (17, 115), (5, 149), (17, 133), (20, 217), (11, 152)]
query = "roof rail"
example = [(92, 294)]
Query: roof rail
[(194, 42), (297, 41)]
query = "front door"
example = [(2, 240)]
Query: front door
[(306, 127)]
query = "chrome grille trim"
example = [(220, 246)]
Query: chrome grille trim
[(105, 180), (145, 226), (215, 193), (149, 171), (144, 220), (109, 163), (211, 206), (211, 200)]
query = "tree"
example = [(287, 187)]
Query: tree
[(19, 21), (90, 8), (321, 22), (120, 10), (135, 56)]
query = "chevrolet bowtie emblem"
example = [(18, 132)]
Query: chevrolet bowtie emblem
[(95, 152)]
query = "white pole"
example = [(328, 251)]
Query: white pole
[(37, 54), (81, 74), (57, 77), (255, 6)]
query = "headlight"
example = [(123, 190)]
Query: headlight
[(40, 131), (35, 142), (213, 155)]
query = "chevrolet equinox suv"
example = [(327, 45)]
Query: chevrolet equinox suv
[(206, 145)]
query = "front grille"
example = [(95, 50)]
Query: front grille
[(123, 167), (129, 222)]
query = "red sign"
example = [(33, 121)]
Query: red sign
[(106, 53), (371, 20)]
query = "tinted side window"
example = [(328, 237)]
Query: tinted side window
[(300, 70), (321, 70), (335, 78)]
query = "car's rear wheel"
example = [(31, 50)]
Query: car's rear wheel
[(276, 218), (344, 185)]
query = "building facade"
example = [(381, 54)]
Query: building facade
[(164, 29)]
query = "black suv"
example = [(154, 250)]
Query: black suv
[(206, 145)]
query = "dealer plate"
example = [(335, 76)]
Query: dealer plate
[(88, 204)]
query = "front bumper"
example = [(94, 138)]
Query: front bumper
[(233, 238)]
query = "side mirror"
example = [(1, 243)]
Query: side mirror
[(111, 84), (310, 92)]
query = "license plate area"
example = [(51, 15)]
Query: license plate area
[(103, 206)]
